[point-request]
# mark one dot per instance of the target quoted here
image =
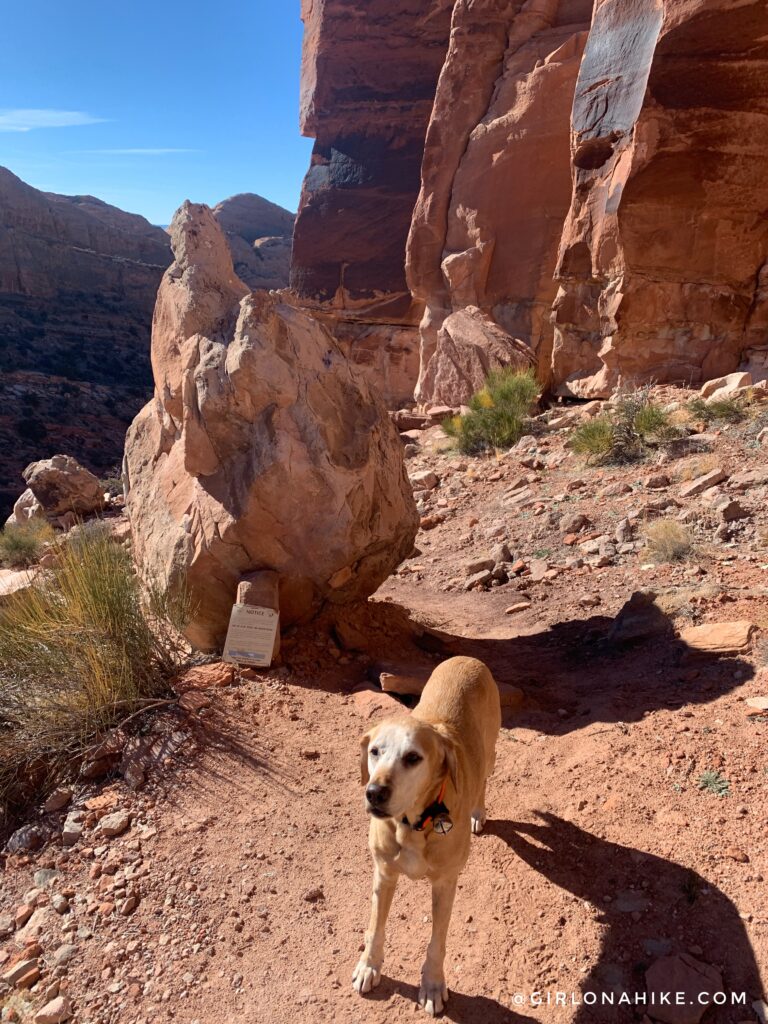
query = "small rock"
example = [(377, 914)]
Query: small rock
[(314, 895), (23, 914), (639, 618), (55, 1012), (734, 853), (478, 579), (573, 523), (73, 828), (424, 480), (60, 903), (703, 483), (539, 568), (720, 637), (128, 905), (23, 974), (730, 510), (657, 481), (24, 839), (64, 954), (115, 824), (58, 800), (480, 565), (725, 387), (205, 677), (6, 926), (698, 983)]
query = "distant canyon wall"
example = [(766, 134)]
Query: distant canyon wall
[(591, 182), (78, 281)]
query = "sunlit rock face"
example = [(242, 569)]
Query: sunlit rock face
[(264, 448), (591, 179)]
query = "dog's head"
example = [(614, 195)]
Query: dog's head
[(402, 763)]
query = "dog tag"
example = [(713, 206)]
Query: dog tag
[(442, 824)]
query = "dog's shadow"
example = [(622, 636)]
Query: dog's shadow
[(648, 907), (461, 1008)]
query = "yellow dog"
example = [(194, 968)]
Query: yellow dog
[(424, 776)]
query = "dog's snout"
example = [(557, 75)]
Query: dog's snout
[(377, 795)]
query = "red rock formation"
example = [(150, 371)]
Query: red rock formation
[(259, 235), (608, 213), (262, 449), (368, 80), (496, 179), (663, 260), (78, 280)]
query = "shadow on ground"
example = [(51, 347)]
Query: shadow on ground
[(576, 672), (675, 909)]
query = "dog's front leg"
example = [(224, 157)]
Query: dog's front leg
[(434, 991), (367, 974)]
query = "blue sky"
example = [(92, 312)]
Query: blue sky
[(147, 104)]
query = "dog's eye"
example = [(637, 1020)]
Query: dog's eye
[(411, 759), (374, 751)]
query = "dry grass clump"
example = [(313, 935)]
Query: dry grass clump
[(630, 425), (698, 467), (667, 541), (724, 410), (497, 414), (80, 649), (22, 545)]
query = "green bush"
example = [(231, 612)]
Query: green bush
[(22, 545), (727, 410), (80, 649), (624, 431), (497, 414)]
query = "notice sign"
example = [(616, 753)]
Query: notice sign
[(251, 635)]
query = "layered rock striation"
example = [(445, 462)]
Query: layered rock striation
[(263, 448), (591, 182)]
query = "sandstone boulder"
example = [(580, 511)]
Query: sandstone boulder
[(62, 485), (262, 449), (725, 387), (26, 507), (469, 347)]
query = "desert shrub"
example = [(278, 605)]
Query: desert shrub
[(727, 410), (667, 541), (80, 649), (112, 484), (593, 438), (630, 424), (22, 545), (497, 414)]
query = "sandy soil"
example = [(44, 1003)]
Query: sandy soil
[(247, 847)]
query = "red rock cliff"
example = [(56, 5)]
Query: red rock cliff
[(591, 181)]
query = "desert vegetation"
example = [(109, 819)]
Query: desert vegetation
[(626, 431), (21, 545), (80, 650), (497, 413)]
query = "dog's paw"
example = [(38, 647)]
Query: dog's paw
[(433, 995), (366, 976), (478, 820)]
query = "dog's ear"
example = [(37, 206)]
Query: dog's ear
[(450, 760), (364, 776)]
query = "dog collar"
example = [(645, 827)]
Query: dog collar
[(437, 814)]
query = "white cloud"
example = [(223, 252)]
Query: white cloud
[(25, 120), (139, 152)]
